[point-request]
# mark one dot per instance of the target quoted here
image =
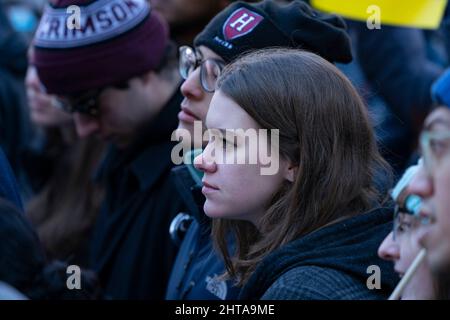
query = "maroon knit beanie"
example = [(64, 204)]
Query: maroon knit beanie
[(117, 40)]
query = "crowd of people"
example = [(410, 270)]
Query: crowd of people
[(93, 117)]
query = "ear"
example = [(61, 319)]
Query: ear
[(290, 172)]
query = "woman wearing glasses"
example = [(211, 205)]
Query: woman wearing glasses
[(401, 246), (237, 29)]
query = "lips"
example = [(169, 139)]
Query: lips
[(208, 185), (208, 188), (187, 115)]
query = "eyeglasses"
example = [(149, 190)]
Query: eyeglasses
[(435, 148), (407, 216), (210, 69), (88, 102)]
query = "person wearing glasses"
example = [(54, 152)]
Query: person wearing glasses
[(239, 28), (117, 74), (432, 183), (401, 246)]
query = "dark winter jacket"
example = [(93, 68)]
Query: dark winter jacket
[(194, 275), (331, 263), (131, 248), (8, 184)]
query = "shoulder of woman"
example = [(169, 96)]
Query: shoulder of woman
[(316, 283)]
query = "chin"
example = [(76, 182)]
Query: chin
[(214, 211), (185, 126), (211, 212)]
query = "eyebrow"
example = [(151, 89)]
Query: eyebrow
[(435, 122)]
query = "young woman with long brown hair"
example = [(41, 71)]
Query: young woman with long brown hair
[(311, 230)]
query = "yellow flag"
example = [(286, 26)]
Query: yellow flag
[(424, 14)]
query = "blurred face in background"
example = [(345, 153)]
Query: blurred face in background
[(122, 111), (432, 184), (43, 109)]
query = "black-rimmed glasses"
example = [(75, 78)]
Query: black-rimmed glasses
[(210, 69)]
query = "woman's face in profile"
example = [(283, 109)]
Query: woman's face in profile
[(401, 247), (236, 190)]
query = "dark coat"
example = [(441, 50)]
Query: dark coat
[(8, 184), (131, 248), (330, 263), (194, 275)]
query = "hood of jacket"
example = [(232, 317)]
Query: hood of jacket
[(349, 246)]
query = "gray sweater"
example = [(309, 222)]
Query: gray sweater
[(316, 283), (330, 263)]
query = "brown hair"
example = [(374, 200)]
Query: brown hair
[(324, 130), (64, 211)]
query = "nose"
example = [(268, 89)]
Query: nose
[(191, 87), (86, 125), (32, 82), (205, 163), (389, 249), (421, 184)]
